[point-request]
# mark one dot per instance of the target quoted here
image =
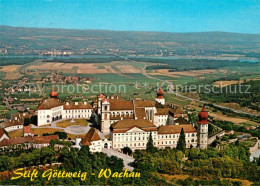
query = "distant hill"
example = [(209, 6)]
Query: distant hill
[(19, 38)]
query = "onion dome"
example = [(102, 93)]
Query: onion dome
[(101, 95), (160, 93), (54, 94), (203, 116)]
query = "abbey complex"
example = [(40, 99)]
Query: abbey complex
[(120, 123)]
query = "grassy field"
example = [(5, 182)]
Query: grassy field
[(16, 133), (41, 131), (67, 123), (11, 71)]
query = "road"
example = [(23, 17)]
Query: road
[(185, 97), (126, 159)]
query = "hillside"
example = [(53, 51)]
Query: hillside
[(18, 40)]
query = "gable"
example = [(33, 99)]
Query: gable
[(135, 129), (4, 136)]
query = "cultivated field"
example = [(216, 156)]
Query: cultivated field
[(86, 68), (225, 83), (11, 71), (192, 73), (228, 118)]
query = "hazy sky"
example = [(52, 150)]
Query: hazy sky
[(143, 15)]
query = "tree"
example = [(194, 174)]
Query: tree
[(62, 135), (181, 144), (127, 150), (150, 147), (26, 122)]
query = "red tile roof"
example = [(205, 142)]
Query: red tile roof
[(175, 129), (144, 103), (124, 125), (80, 105), (140, 113), (163, 111), (2, 132), (27, 129), (92, 135), (121, 105), (49, 104), (28, 139)]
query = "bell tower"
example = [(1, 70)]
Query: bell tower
[(105, 116), (203, 129), (160, 98)]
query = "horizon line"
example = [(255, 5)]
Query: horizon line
[(216, 31)]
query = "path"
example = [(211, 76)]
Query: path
[(126, 159)]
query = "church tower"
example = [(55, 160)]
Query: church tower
[(160, 98), (105, 116), (203, 129), (99, 102)]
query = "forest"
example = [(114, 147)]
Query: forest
[(4, 61), (72, 160), (192, 64), (231, 161), (208, 166), (245, 94)]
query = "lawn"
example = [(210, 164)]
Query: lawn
[(67, 123), (16, 133), (2, 107), (41, 131)]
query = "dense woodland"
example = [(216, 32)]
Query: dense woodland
[(212, 164), (85, 60), (208, 166), (228, 126), (72, 160), (246, 94), (192, 64), (15, 60)]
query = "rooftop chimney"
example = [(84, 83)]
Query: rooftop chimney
[(67, 103), (85, 102), (76, 103)]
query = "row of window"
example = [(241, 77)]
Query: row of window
[(176, 136), (77, 116), (131, 145), (139, 133), (56, 108), (133, 138), (121, 113), (163, 120), (78, 111), (175, 142)]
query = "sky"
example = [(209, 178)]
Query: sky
[(242, 16)]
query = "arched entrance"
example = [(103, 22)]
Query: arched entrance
[(106, 145)]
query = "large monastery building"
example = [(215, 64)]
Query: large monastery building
[(52, 110), (123, 123)]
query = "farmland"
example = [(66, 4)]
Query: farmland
[(11, 71), (136, 78)]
